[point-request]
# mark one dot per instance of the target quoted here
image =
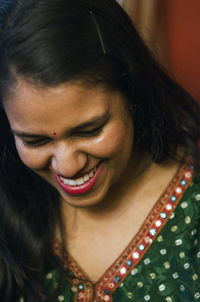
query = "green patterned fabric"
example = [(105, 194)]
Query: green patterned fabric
[(168, 271)]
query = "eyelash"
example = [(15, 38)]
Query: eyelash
[(38, 143), (90, 133), (33, 144)]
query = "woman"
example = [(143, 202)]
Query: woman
[(99, 160)]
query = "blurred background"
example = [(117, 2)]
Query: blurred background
[(171, 28)]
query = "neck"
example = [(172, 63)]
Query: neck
[(115, 203)]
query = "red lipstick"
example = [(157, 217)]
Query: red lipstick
[(80, 189)]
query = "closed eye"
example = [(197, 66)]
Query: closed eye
[(35, 143), (43, 141), (89, 133)]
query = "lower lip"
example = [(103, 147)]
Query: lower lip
[(84, 188)]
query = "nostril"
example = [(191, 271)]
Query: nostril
[(69, 164)]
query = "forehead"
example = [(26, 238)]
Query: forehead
[(34, 106)]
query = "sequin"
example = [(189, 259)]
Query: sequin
[(172, 216), (147, 261), (160, 238), (129, 262), (182, 255), (147, 298), (161, 287), (197, 197), (74, 289), (173, 198), (184, 205), (123, 270), (134, 271), (178, 190), (178, 242), (111, 285), (130, 295), (182, 288), (49, 276), (163, 215), (81, 295), (153, 276), (107, 292), (141, 247), (136, 255), (167, 265), (163, 251), (158, 223), (175, 275), (106, 298), (140, 284), (195, 277), (194, 232), (80, 286), (169, 207), (183, 182), (186, 266), (117, 279), (197, 295), (188, 175), (152, 232), (174, 228), (198, 255), (147, 239), (187, 220)]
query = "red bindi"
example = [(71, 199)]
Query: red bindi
[(54, 133)]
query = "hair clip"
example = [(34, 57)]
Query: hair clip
[(98, 32)]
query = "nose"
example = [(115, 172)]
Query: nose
[(68, 160)]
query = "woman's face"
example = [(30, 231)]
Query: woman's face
[(78, 139)]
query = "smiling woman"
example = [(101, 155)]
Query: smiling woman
[(99, 166), (95, 138)]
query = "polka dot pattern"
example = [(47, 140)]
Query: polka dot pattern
[(157, 265)]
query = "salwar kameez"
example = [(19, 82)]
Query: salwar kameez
[(161, 263)]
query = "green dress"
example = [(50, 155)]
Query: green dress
[(161, 263)]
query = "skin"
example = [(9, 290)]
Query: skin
[(99, 224), (62, 145)]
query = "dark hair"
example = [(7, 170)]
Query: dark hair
[(49, 42)]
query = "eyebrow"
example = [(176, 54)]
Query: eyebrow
[(95, 120)]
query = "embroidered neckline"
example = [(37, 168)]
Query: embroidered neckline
[(136, 249)]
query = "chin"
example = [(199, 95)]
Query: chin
[(90, 199)]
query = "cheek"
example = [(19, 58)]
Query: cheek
[(117, 141), (33, 159)]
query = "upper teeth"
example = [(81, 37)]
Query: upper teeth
[(78, 181)]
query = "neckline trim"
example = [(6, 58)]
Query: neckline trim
[(125, 264)]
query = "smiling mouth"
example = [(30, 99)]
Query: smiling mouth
[(79, 181), (82, 184)]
